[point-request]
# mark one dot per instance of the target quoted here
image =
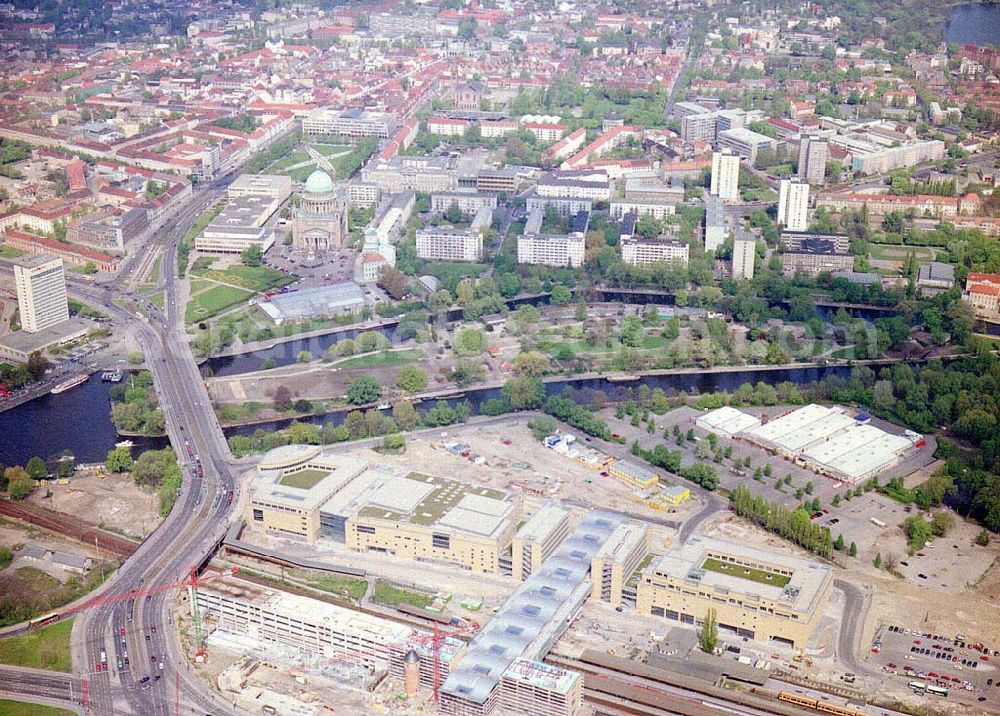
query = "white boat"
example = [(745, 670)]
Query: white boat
[(70, 383), (125, 444)]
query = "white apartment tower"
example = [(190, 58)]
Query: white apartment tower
[(41, 291), (813, 155), (793, 204), (725, 175), (744, 253)]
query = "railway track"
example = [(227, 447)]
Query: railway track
[(69, 526)]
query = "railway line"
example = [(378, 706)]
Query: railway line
[(69, 526)]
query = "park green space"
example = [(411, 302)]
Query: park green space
[(251, 278), (330, 149), (304, 479), (899, 252), (383, 358), (213, 301), (749, 573), (392, 596), (46, 648), (296, 157), (23, 708), (9, 252)]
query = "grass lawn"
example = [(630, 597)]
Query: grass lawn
[(203, 220), (353, 589), (156, 299), (46, 648), (9, 252), (392, 596), (328, 149), (296, 157), (899, 252), (22, 708), (252, 278), (383, 358), (304, 479), (214, 300), (749, 573)]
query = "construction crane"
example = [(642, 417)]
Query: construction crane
[(435, 640), (193, 581)]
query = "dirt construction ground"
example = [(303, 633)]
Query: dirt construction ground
[(113, 502)]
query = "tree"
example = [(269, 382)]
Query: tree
[(364, 390), (523, 393), (135, 357), (251, 256), (891, 561), (38, 364), (405, 415), (531, 364), (470, 341), (983, 538), (838, 544), (853, 551), (394, 282), (36, 468), (282, 398), (708, 637), (411, 378), (561, 295), (119, 460), (453, 214), (305, 357), (878, 559), (543, 426), (941, 523), (19, 483)]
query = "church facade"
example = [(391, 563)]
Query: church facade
[(320, 223)]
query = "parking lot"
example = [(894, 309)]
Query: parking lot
[(966, 670)]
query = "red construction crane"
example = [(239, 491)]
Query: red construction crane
[(435, 640), (192, 581)]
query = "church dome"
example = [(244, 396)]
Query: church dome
[(319, 182)]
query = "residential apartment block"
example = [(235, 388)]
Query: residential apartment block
[(637, 250), (551, 249), (725, 175), (439, 244), (793, 204)]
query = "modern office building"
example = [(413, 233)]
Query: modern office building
[(241, 223), (277, 186), (616, 560), (41, 291), (638, 250), (308, 494), (468, 201), (499, 181), (551, 249), (715, 222), (252, 613), (756, 594), (746, 142), (725, 175), (796, 240), (354, 122), (793, 204), (534, 688), (537, 539), (744, 257), (815, 256), (659, 210), (528, 624), (813, 155), (699, 127), (440, 244)]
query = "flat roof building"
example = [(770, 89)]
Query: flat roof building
[(726, 421), (537, 539), (276, 186), (310, 495), (534, 688), (316, 302), (240, 224), (551, 249), (529, 623), (756, 594), (615, 562), (41, 291), (439, 244)]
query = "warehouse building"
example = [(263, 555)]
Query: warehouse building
[(632, 474), (726, 421), (756, 594), (833, 441), (309, 494)]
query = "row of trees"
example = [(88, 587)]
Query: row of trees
[(793, 525)]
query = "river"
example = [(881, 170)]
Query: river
[(78, 420), (975, 23)]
